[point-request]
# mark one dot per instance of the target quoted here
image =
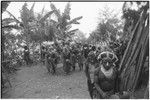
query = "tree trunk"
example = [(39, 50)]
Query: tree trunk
[(146, 94), (135, 54)]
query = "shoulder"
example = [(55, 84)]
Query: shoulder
[(115, 70), (97, 70)]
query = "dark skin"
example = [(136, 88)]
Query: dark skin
[(107, 65), (104, 95)]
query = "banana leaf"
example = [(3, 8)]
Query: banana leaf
[(66, 13), (46, 16), (13, 17), (57, 12), (11, 27), (74, 21), (7, 21)]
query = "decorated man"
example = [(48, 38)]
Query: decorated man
[(105, 75), (106, 78)]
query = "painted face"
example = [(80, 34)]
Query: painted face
[(107, 64)]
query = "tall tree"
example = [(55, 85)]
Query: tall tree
[(34, 25), (79, 37), (109, 27), (6, 28), (63, 23)]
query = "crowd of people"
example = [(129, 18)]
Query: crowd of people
[(105, 60)]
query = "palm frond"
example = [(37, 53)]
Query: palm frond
[(53, 21), (25, 15), (66, 13), (46, 16), (39, 16), (74, 21), (32, 7), (11, 27), (7, 21), (68, 27), (53, 6), (72, 31), (32, 12), (57, 12), (43, 10), (13, 16)]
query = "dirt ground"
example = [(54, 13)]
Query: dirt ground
[(36, 82)]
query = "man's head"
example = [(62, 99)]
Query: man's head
[(25, 47), (107, 63), (99, 48), (107, 59), (93, 48)]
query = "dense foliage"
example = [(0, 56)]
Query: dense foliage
[(109, 27)]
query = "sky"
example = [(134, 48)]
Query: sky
[(90, 11)]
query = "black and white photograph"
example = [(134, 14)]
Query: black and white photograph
[(75, 49)]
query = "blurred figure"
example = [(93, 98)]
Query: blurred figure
[(53, 60), (26, 55), (86, 50), (66, 59), (43, 53), (80, 58), (92, 55), (73, 57)]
